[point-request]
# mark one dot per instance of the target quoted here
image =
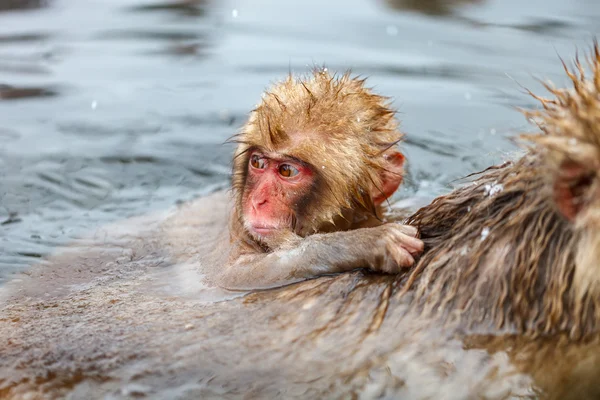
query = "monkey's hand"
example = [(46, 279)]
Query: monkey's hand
[(394, 248), (386, 248)]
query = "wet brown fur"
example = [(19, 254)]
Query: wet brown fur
[(335, 124), (501, 256)]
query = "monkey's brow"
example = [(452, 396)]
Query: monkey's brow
[(279, 156)]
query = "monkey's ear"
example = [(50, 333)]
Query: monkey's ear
[(571, 188), (391, 178)]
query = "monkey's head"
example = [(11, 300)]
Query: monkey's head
[(570, 147), (314, 154)]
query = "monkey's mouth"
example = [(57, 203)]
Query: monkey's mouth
[(262, 229)]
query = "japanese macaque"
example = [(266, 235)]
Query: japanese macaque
[(314, 164), (518, 250)]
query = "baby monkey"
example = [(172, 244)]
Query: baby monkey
[(314, 164)]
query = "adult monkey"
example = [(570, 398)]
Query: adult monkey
[(519, 249), (313, 166)]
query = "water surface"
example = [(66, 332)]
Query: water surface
[(115, 108)]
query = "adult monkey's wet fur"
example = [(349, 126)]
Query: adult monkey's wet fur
[(518, 249)]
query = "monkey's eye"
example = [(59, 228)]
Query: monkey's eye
[(257, 162), (288, 171)]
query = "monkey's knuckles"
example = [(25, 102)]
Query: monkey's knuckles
[(404, 238), (397, 249), (396, 260), (406, 229)]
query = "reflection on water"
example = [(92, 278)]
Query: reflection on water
[(8, 5), (190, 8), (430, 7), (10, 93), (115, 108)]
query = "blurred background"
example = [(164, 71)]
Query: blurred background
[(114, 108)]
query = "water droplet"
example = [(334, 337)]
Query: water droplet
[(234, 13), (492, 189), (94, 104), (357, 119), (391, 30), (322, 167), (485, 233), (492, 131)]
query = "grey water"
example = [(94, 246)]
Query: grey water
[(115, 108)]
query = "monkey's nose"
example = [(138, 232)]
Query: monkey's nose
[(257, 202)]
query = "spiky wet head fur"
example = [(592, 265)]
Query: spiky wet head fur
[(336, 125), (518, 249)]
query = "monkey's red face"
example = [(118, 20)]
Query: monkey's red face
[(277, 188)]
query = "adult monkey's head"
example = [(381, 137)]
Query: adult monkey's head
[(570, 142)]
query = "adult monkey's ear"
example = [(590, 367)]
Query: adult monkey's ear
[(572, 189), (391, 177)]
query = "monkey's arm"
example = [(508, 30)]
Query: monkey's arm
[(386, 248)]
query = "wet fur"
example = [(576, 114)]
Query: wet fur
[(501, 257)]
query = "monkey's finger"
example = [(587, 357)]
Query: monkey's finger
[(411, 244), (403, 258), (398, 258)]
